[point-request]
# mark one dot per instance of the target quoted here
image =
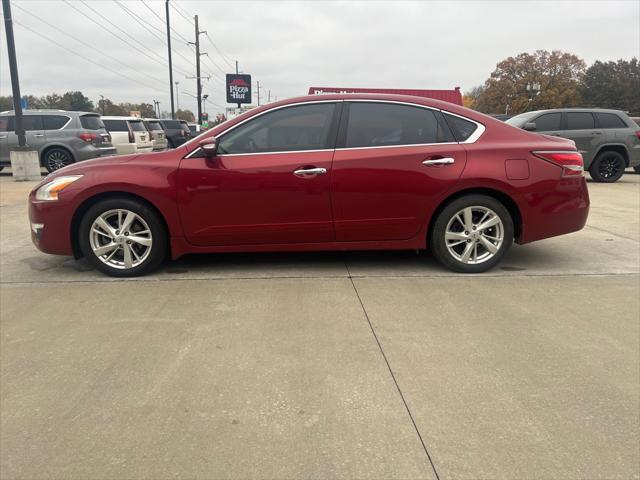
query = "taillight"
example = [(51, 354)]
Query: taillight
[(571, 162), (88, 137), (638, 134)]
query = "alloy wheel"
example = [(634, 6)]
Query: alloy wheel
[(57, 159), (474, 235), (610, 166), (121, 239)]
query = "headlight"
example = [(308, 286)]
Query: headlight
[(49, 191)]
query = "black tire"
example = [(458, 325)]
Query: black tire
[(636, 169), (438, 242), (158, 234), (607, 167), (55, 158)]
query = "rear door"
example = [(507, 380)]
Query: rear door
[(392, 162), (581, 128), (614, 128)]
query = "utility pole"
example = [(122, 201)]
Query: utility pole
[(102, 103), (198, 77), (269, 97), (237, 74), (177, 98), (13, 72), (258, 88), (166, 7)]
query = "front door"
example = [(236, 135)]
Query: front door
[(269, 183), (393, 162), (34, 132)]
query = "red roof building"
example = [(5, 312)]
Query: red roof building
[(452, 96)]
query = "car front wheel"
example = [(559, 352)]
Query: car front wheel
[(472, 234), (123, 237), (608, 167)]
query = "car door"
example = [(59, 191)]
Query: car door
[(616, 131), (549, 124), (4, 141), (34, 132), (268, 184), (581, 128), (392, 162)]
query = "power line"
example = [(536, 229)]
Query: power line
[(159, 60), (87, 44), (181, 12), (163, 22), (83, 57), (219, 51)]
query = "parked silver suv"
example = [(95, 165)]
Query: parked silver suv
[(60, 137), (608, 139)]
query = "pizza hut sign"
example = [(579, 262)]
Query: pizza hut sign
[(238, 88)]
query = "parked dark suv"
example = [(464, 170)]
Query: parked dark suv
[(608, 139), (60, 137), (176, 131)]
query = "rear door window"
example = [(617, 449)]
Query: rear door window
[(116, 125), (580, 121), (548, 122), (54, 122), (386, 124), (610, 120), (91, 122)]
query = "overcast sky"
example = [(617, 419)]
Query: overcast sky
[(289, 46)]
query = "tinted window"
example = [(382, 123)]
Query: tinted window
[(30, 122), (54, 122), (462, 129), (548, 122), (154, 126), (610, 120), (137, 126), (91, 122), (173, 124), (580, 121), (303, 127), (116, 125)]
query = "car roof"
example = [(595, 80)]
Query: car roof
[(107, 117), (48, 111)]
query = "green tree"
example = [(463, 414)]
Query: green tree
[(613, 85), (76, 101), (558, 74)]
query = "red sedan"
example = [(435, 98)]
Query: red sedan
[(330, 172)]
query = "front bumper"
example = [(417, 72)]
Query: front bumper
[(51, 226)]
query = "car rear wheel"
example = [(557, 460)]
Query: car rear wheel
[(472, 234), (123, 237), (608, 167), (56, 158)]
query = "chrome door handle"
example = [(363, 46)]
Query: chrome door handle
[(3, 137), (308, 172), (38, 134), (439, 161)]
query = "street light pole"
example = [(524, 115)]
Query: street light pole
[(166, 7), (13, 71)]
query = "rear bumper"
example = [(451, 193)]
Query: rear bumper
[(562, 210)]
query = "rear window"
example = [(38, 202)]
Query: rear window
[(91, 122), (174, 124), (610, 120), (462, 129), (548, 122), (137, 126), (54, 122), (116, 125), (580, 121), (154, 126)]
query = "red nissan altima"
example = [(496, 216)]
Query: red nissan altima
[(331, 172)]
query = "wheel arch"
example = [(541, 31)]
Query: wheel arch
[(509, 203), (92, 200), (620, 148)]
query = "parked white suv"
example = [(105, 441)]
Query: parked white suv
[(128, 135), (157, 134)]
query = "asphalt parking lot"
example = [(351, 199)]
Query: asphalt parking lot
[(355, 365)]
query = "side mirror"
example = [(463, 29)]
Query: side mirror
[(530, 126), (209, 147)]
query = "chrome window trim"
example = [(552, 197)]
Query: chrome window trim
[(472, 139)]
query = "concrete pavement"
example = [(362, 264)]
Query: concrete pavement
[(358, 365)]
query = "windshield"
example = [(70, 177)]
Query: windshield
[(521, 119)]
